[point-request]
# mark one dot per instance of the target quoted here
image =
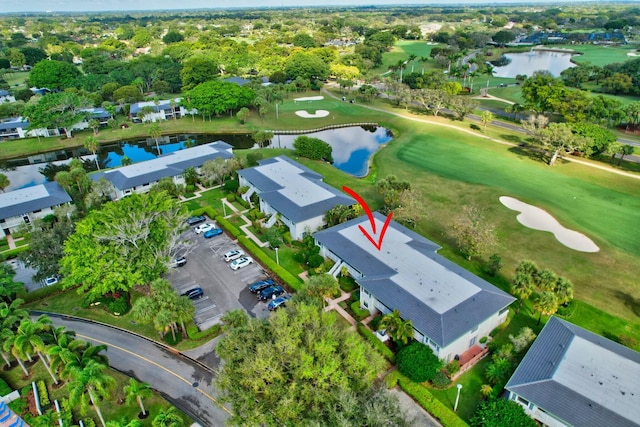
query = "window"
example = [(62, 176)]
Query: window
[(26, 219), (523, 400), (2, 221), (39, 210), (472, 341), (365, 303)]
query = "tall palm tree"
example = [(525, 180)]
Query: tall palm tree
[(167, 418), (29, 339), (522, 288), (546, 280), (137, 391), (10, 317), (412, 59), (423, 59), (547, 304), (83, 354), (184, 311), (91, 144), (155, 132), (90, 382), (564, 290)]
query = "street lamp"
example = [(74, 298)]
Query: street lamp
[(455, 407), (277, 259)]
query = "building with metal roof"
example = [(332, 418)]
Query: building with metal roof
[(450, 308), (164, 110), (22, 206), (291, 192), (573, 377), (140, 177)]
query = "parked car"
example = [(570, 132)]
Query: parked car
[(260, 285), (50, 281), (233, 254), (195, 293), (195, 220), (241, 262), (202, 228), (278, 302), (178, 262), (212, 233), (271, 292)]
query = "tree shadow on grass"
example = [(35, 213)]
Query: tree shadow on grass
[(629, 301), (529, 153), (516, 139)]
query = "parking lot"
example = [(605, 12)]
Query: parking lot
[(224, 289)]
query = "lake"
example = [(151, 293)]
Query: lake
[(352, 148), (529, 62)]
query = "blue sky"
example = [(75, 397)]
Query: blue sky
[(109, 5)]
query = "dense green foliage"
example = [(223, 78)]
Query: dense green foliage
[(418, 362), (500, 413), (312, 148)]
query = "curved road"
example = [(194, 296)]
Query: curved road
[(183, 381)]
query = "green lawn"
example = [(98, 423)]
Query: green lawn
[(600, 55), (16, 79), (401, 52)]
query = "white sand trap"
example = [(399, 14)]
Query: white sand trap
[(309, 98), (317, 114), (538, 219)]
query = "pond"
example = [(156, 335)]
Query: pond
[(528, 62), (352, 148)]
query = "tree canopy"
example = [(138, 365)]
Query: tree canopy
[(54, 75), (293, 366), (499, 413), (218, 97), (58, 110), (313, 148), (123, 244)]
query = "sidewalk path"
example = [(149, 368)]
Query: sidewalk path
[(333, 304)]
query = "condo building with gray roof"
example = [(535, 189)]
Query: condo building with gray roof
[(450, 308), (140, 177), (291, 192), (573, 377)]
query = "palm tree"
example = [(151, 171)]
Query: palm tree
[(155, 132), (564, 290), (547, 304), (92, 382), (522, 288), (123, 422), (423, 59), (412, 59), (400, 66), (84, 353), (4, 182), (10, 317), (29, 338), (167, 418), (173, 105), (400, 330), (486, 390), (137, 391), (125, 161), (91, 144), (64, 350), (546, 280), (184, 311), (498, 369)]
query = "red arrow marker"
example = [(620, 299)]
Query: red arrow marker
[(367, 210)]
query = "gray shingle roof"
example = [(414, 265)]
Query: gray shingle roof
[(14, 124), (443, 300), (171, 164), (292, 189), (163, 105), (30, 199), (579, 377)]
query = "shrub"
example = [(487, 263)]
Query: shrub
[(312, 148), (196, 335), (231, 186), (43, 393), (359, 313), (475, 126), (287, 237), (418, 362), (420, 394), (441, 380), (483, 340), (88, 422), (452, 367), (4, 388), (19, 406), (117, 303), (501, 412), (190, 188), (376, 343), (628, 341), (13, 253), (230, 228), (231, 197), (315, 261)]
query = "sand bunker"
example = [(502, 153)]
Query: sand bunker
[(317, 114), (309, 98), (538, 219)]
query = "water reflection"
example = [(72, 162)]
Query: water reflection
[(352, 148), (528, 62)]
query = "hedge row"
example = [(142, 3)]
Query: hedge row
[(376, 343), (289, 279), (196, 335), (231, 229), (207, 210), (4, 388), (41, 293), (13, 253), (446, 416)]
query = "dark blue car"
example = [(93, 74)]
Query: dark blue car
[(278, 302), (262, 284), (212, 233), (271, 292)]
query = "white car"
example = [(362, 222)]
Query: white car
[(241, 262), (204, 227), (50, 281), (233, 255)]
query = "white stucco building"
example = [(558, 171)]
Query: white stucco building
[(140, 177), (292, 193), (573, 377), (449, 307), (23, 206)]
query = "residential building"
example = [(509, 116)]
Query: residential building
[(291, 192), (17, 127), (450, 308), (23, 206), (13, 128), (140, 177), (573, 377), (5, 96), (164, 110)]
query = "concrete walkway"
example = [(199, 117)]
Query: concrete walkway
[(334, 304)]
